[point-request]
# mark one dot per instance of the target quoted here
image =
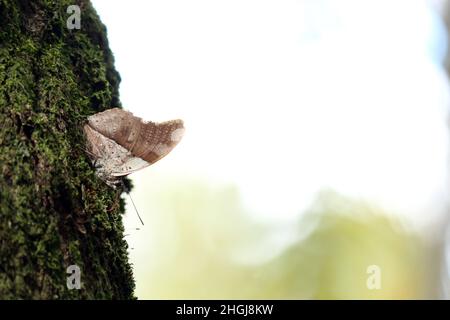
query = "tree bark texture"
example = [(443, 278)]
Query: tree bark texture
[(54, 211)]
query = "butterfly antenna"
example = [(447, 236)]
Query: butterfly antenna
[(129, 195), (136, 209)]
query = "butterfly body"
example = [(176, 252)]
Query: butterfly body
[(120, 143)]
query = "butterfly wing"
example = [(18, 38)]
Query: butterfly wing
[(130, 165), (156, 140), (121, 143), (149, 141)]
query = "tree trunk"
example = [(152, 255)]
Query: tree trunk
[(54, 211)]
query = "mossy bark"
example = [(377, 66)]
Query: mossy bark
[(54, 211)]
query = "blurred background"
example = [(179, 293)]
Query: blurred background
[(316, 147)]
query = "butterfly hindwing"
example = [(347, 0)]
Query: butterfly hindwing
[(130, 165)]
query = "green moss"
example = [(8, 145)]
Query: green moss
[(54, 211)]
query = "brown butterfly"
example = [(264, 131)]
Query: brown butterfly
[(120, 143)]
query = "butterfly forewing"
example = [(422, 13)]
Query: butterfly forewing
[(158, 139)]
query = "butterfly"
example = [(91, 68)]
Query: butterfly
[(120, 143)]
